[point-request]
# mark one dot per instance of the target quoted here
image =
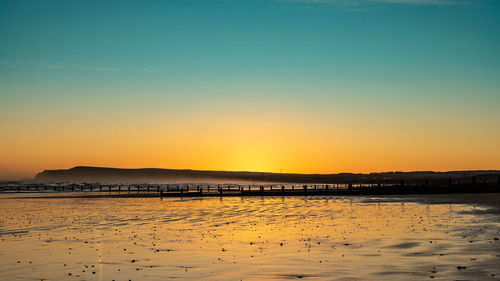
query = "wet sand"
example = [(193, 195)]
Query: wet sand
[(489, 202), (410, 237)]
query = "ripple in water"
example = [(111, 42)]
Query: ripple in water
[(252, 238)]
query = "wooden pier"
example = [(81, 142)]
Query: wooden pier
[(468, 185)]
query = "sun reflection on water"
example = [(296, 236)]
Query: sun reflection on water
[(250, 238)]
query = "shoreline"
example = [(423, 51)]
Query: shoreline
[(489, 201)]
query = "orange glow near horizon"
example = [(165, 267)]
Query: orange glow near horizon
[(268, 142)]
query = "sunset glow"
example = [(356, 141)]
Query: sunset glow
[(278, 86)]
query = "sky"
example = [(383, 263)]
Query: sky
[(292, 86)]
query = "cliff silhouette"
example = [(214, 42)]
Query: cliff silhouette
[(154, 175)]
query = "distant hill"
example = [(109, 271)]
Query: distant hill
[(152, 175)]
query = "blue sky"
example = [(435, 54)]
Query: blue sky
[(214, 40)]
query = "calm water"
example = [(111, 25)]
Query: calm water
[(313, 238)]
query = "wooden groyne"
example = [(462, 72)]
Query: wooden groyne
[(469, 185)]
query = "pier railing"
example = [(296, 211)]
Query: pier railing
[(472, 184)]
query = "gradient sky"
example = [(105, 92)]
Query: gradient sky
[(266, 85)]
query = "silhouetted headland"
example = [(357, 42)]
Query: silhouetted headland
[(152, 175)]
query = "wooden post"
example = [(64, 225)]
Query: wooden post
[(100, 188), (282, 189), (161, 193), (220, 190), (261, 188)]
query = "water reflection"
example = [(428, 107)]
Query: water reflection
[(251, 238)]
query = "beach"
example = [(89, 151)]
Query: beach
[(410, 237)]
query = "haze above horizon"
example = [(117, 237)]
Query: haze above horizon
[(295, 86)]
